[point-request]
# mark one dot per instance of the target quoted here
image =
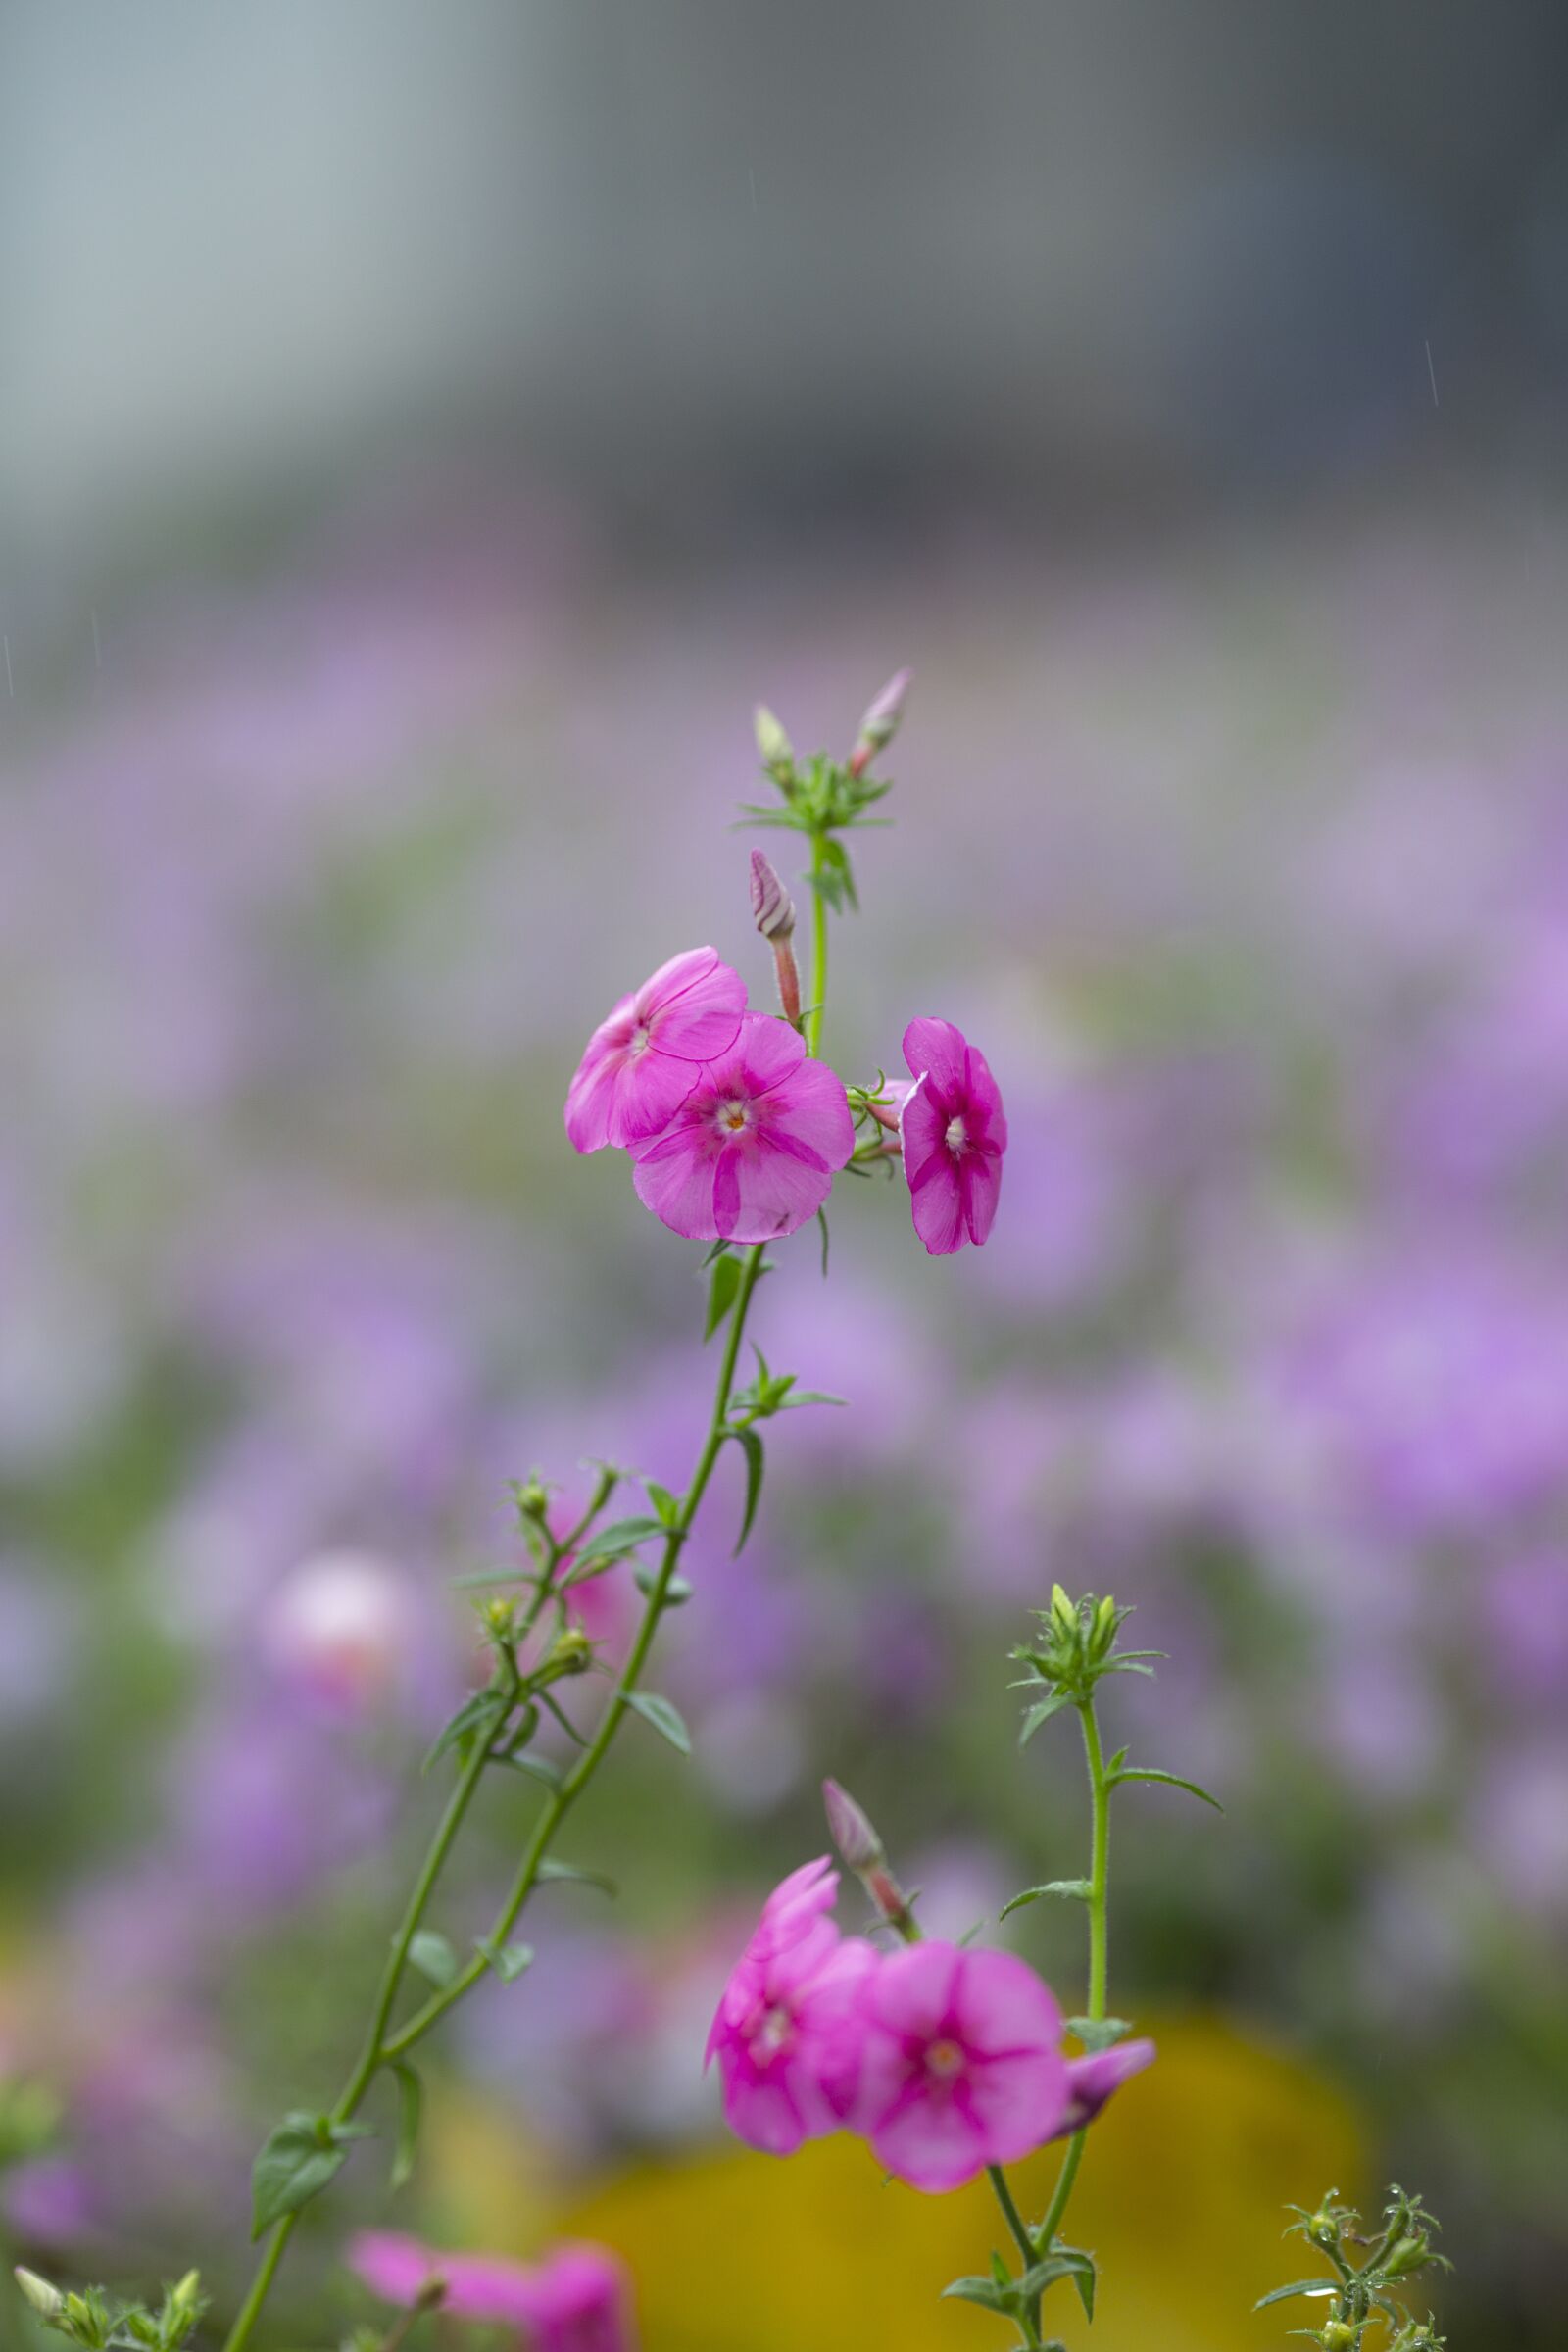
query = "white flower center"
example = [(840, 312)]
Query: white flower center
[(642, 1037), (775, 2030), (731, 1116), (956, 1136), (943, 2059)]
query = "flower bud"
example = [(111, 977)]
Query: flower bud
[(773, 908), (46, 2300), (860, 1847), (572, 1652), (533, 1499), (1408, 2254), (776, 749), (1339, 2335), (881, 721)]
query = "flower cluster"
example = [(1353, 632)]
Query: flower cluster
[(736, 1132), (947, 2060), (576, 2300)]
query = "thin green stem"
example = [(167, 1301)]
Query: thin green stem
[(379, 2047), (1099, 1945), (813, 1018)]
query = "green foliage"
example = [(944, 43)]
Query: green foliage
[(1365, 2294), (295, 2163)]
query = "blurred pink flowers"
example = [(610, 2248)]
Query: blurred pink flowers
[(960, 2064), (946, 2060), (578, 2299), (955, 1133), (786, 2035), (642, 1062), (753, 1146)]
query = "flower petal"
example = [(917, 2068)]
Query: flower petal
[(776, 1189), (694, 1004), (674, 1178), (937, 1048)]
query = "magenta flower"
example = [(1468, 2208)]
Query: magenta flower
[(787, 2034), (960, 2065), (643, 1060), (1092, 2080), (753, 1148), (578, 2299), (955, 1133)]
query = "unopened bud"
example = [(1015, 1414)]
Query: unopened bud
[(1407, 2255), (46, 2300), (860, 1847), (776, 749), (1339, 2335), (773, 908), (881, 721), (572, 1651), (533, 1499)]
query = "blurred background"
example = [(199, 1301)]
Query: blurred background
[(427, 431)]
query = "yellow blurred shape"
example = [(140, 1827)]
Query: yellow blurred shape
[(1180, 2197)]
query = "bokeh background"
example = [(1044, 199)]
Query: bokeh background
[(427, 431)]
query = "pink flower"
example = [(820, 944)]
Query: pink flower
[(643, 1060), (1092, 2080), (478, 2287), (787, 2036), (578, 2299), (582, 2303), (753, 1148), (959, 2066), (955, 1133)]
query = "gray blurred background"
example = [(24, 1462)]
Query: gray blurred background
[(721, 265)]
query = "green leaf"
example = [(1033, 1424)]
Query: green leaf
[(296, 2162), (665, 1718), (1170, 1780), (1062, 2262), (538, 1768), (467, 1719), (411, 2107), (1072, 1889), (810, 1397), (724, 1282), (1099, 2033), (984, 2291), (1299, 2286), (664, 1503), (751, 1444), (550, 1868), (1042, 1713), (509, 1960), (613, 1543), (433, 1957), (677, 1590)]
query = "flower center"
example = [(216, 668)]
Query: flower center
[(775, 2031), (642, 1037), (943, 2059), (956, 1136), (731, 1116)]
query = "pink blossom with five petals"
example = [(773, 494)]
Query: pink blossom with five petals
[(960, 2064), (954, 1132), (643, 1061), (752, 1152)]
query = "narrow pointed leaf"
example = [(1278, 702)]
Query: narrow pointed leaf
[(615, 1542), (473, 1712), (1169, 1780), (665, 1718), (550, 1868), (411, 2107), (724, 1282), (295, 2164), (750, 1446), (1042, 1713), (1299, 2286), (1070, 1889)]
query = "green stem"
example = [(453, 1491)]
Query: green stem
[(379, 2048), (1099, 1945), (813, 1018)]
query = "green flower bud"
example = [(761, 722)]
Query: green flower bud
[(775, 746), (46, 2300)]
